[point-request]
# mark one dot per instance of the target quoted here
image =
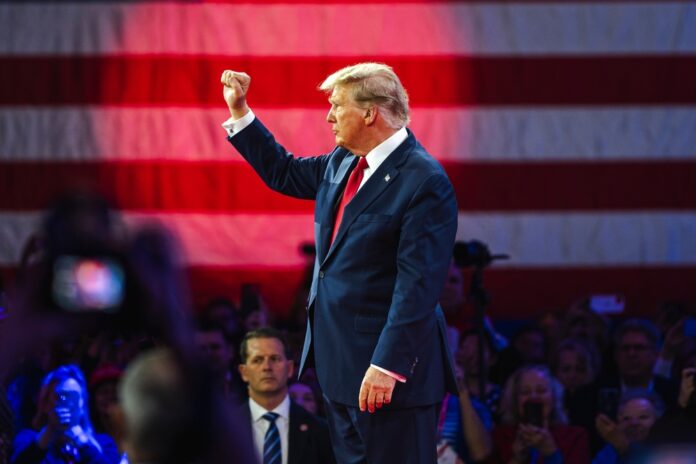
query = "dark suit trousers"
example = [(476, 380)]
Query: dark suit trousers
[(407, 435)]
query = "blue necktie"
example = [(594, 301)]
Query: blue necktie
[(271, 442)]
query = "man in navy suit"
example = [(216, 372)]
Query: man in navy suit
[(300, 438), (385, 221)]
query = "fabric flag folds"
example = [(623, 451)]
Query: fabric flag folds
[(567, 128)]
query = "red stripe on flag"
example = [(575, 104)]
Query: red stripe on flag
[(209, 186), (291, 82), (516, 293), (526, 292)]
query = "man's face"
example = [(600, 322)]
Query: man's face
[(347, 120), (216, 350), (636, 417), (266, 370), (635, 356)]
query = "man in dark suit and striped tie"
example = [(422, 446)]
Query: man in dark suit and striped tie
[(284, 433)]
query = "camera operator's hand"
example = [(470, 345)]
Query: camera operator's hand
[(687, 386), (611, 433)]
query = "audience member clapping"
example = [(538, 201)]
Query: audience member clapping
[(638, 411)]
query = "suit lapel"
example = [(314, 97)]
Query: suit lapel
[(298, 435), (333, 195), (379, 181)]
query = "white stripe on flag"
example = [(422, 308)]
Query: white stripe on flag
[(451, 134), (349, 30), (553, 239)]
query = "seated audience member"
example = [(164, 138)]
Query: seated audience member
[(581, 322), (537, 429), (306, 396), (678, 424), (219, 355), (527, 346), (280, 428), (575, 365), (638, 411), (65, 433), (670, 321), (635, 351), (452, 297), (467, 357), (223, 313), (464, 426), (103, 384), (637, 344)]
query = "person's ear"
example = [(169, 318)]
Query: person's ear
[(242, 372), (370, 115)]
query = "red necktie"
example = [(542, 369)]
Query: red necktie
[(356, 177)]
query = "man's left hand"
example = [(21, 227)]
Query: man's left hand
[(376, 390)]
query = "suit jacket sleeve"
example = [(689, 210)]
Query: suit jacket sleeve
[(424, 252), (279, 169)]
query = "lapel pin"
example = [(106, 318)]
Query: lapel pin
[(304, 427), (386, 178)]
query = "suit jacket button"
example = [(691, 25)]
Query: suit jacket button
[(321, 274)]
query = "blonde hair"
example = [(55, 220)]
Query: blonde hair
[(510, 400), (373, 83)]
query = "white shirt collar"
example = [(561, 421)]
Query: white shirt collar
[(377, 155), (257, 411)]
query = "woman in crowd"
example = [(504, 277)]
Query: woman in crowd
[(467, 357), (536, 427), (65, 433), (576, 364), (638, 411)]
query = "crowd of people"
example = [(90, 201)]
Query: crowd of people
[(184, 385)]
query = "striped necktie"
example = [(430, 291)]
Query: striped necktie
[(271, 442)]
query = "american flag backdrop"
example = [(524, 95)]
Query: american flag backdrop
[(567, 128)]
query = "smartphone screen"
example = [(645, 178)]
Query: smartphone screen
[(533, 413), (88, 284)]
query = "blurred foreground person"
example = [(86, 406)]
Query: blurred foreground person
[(65, 433), (94, 273), (170, 417)]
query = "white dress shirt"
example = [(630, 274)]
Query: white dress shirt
[(374, 159), (259, 426)]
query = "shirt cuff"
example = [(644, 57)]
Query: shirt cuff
[(234, 126), (398, 377)]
